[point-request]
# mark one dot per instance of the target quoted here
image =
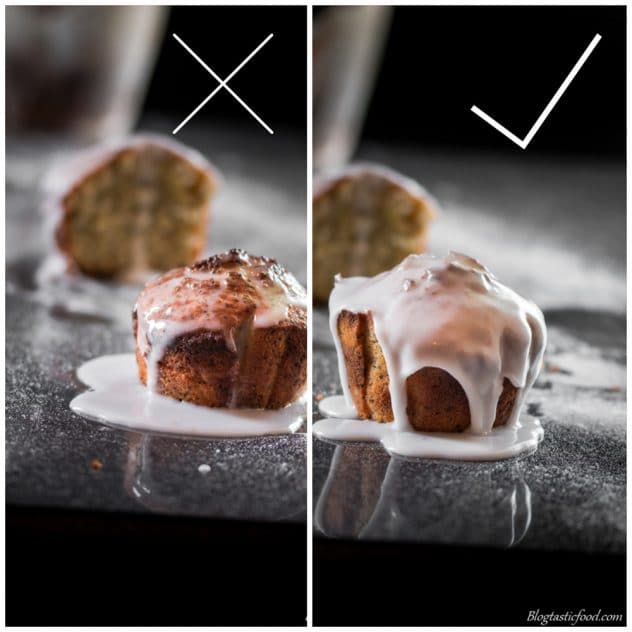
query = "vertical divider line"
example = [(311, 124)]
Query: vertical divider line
[(3, 171), (310, 399), (628, 329)]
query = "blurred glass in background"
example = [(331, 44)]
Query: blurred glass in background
[(81, 71), (348, 47)]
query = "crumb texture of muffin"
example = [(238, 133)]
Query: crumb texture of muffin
[(142, 204), (436, 345), (366, 219), (435, 400), (229, 331)]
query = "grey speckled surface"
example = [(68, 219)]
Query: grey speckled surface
[(50, 333), (570, 494)]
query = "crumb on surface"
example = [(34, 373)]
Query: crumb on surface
[(555, 368), (320, 397), (96, 465)]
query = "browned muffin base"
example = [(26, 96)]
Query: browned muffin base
[(436, 401), (268, 371)]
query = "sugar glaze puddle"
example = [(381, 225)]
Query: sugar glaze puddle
[(119, 399), (523, 435)]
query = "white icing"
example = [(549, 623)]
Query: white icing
[(451, 314), (507, 441), (187, 300), (119, 399), (337, 406)]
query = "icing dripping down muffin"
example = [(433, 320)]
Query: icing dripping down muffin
[(229, 331), (436, 344)]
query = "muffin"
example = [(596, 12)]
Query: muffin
[(436, 345), (366, 219), (142, 204), (229, 331)]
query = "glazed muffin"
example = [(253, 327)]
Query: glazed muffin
[(436, 345), (366, 219), (137, 206), (229, 331), (435, 400)]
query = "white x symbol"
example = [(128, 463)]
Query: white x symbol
[(223, 83)]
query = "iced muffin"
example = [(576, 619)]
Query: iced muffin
[(229, 331), (436, 344)]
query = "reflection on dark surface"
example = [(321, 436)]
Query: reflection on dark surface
[(368, 495), (568, 495), (351, 492), (163, 474)]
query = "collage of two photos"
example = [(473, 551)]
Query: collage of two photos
[(315, 315)]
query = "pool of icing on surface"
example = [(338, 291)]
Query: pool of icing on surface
[(504, 442), (118, 398)]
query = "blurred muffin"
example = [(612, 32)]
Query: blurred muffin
[(366, 219), (229, 331), (142, 204)]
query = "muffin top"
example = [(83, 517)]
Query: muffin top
[(373, 181), (450, 313), (219, 294), (71, 168)]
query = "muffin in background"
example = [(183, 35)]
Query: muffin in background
[(139, 205), (366, 219)]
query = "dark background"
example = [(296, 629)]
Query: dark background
[(273, 83), (509, 61), (81, 568), (365, 583)]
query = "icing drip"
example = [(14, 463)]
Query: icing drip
[(450, 313), (226, 293)]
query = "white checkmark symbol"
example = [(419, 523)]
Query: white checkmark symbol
[(524, 142)]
